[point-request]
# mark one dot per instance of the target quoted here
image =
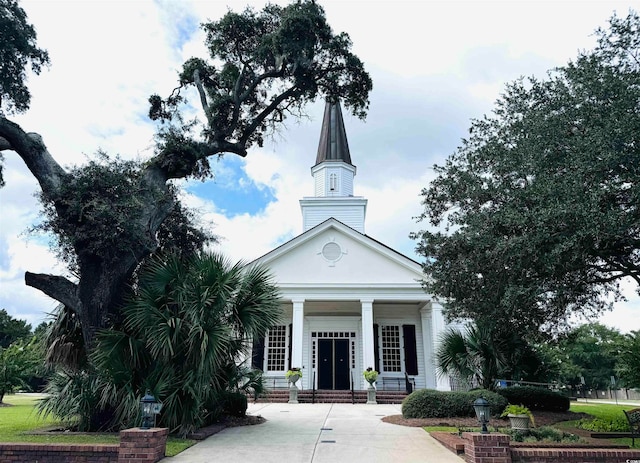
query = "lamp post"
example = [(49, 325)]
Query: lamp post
[(149, 408), (483, 412)]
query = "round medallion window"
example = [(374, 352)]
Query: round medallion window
[(331, 251)]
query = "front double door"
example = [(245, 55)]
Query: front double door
[(333, 364)]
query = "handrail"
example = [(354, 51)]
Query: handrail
[(313, 394), (353, 394), (407, 383)]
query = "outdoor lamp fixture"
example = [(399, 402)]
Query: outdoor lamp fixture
[(150, 407), (483, 412)]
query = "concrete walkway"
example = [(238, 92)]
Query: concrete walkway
[(319, 433)]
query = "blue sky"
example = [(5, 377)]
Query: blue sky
[(435, 65), (232, 190)]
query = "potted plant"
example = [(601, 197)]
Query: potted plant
[(293, 375), (519, 416), (370, 375)]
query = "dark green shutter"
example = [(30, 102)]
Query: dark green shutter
[(410, 349), (376, 349), (257, 354)]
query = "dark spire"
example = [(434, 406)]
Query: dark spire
[(333, 137)]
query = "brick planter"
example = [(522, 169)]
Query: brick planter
[(136, 446), (142, 445), (487, 448)]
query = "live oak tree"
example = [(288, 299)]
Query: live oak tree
[(538, 208), (17, 51), (263, 66)]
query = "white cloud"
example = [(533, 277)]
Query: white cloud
[(435, 65)]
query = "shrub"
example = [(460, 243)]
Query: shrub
[(235, 403), (536, 398), (428, 403), (543, 434), (618, 424)]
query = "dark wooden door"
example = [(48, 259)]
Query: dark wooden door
[(325, 363), (333, 364), (341, 366)]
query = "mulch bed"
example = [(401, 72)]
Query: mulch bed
[(226, 422), (542, 419)]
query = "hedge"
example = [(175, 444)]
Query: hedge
[(428, 403), (536, 398)]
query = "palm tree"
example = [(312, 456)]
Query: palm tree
[(475, 356), (185, 332)]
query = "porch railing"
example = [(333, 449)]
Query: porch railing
[(313, 394), (353, 394)]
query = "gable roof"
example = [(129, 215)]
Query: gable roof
[(362, 238)]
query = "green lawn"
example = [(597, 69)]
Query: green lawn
[(21, 418), (602, 411), (605, 412)]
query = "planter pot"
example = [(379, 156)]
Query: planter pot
[(293, 379), (519, 422)]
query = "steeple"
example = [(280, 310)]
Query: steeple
[(333, 136), (333, 176)]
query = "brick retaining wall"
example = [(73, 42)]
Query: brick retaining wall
[(59, 453), (495, 448), (136, 446), (524, 455)]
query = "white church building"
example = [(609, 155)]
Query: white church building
[(349, 302)]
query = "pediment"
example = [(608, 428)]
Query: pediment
[(335, 254)]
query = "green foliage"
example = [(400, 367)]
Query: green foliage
[(370, 375), (18, 363), (18, 51), (108, 216), (63, 340), (518, 410), (12, 329), (293, 372), (102, 202), (269, 64), (427, 403), (73, 397), (543, 434), (484, 353), (184, 328), (592, 351), (606, 417), (234, 403), (628, 360), (616, 424), (539, 203), (17, 422), (535, 398)]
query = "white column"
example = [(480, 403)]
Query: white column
[(427, 344), (368, 356), (296, 335), (438, 326)]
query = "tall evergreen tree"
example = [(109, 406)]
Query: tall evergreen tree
[(540, 203)]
